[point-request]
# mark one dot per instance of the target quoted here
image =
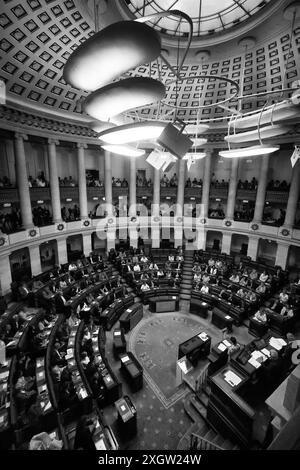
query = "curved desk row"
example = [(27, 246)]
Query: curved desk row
[(110, 315), (159, 291)]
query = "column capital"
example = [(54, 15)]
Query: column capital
[(52, 141), (81, 145), (21, 136)]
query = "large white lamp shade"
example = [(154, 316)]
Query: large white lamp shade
[(111, 52)]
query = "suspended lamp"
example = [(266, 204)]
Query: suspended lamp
[(253, 151), (111, 52), (196, 128), (197, 142), (266, 132), (133, 132), (124, 150), (117, 97), (194, 156)]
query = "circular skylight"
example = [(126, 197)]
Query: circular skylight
[(208, 16)]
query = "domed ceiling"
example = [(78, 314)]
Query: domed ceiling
[(38, 36), (208, 16)]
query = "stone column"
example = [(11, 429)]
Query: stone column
[(54, 184), (226, 243), (132, 187), (253, 247), (22, 181), (35, 259), (156, 193), (83, 206), (108, 182), (261, 189), (87, 244), (62, 254), (5, 274), (232, 189), (293, 197), (282, 255), (180, 189), (206, 184)]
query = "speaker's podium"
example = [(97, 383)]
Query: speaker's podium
[(183, 367)]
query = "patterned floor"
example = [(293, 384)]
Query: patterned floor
[(160, 413)]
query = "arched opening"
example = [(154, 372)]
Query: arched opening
[(48, 255), (239, 244), (214, 240), (74, 247), (20, 265), (267, 250)]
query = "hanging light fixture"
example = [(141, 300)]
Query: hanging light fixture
[(197, 142), (134, 132), (124, 150), (266, 132), (253, 151)]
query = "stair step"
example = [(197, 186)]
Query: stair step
[(198, 407)]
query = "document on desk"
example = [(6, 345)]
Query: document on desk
[(232, 378), (117, 333), (203, 336), (259, 356), (100, 445), (266, 352), (254, 362), (222, 347), (125, 359), (277, 343), (227, 343)]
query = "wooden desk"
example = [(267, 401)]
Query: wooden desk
[(195, 347), (132, 370), (164, 304), (127, 421)]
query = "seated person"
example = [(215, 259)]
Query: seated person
[(145, 287), (205, 278), (136, 268), (204, 289), (168, 265), (144, 259), (58, 356), (72, 267), (235, 346), (263, 277), (261, 315), (241, 293), (212, 270), (171, 258), (287, 311), (84, 359), (144, 276), (160, 273), (253, 275), (235, 278), (261, 289), (251, 296), (211, 262), (244, 281), (282, 298), (196, 268), (197, 277)]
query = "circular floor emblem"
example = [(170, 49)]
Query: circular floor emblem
[(60, 227), (254, 226)]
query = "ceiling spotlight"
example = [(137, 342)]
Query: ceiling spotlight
[(254, 151), (125, 150), (134, 132)]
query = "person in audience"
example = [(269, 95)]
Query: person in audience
[(160, 273), (58, 356), (144, 259), (153, 266), (261, 289), (244, 281), (241, 293), (205, 278), (211, 262), (264, 276), (235, 346), (283, 299), (171, 258), (287, 311), (197, 277), (235, 278), (204, 289), (145, 286), (251, 296), (253, 275), (261, 316), (136, 268)]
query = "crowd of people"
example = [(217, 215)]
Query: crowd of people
[(5, 182), (67, 181), (39, 182), (117, 182), (142, 181), (167, 182), (70, 214), (10, 222)]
